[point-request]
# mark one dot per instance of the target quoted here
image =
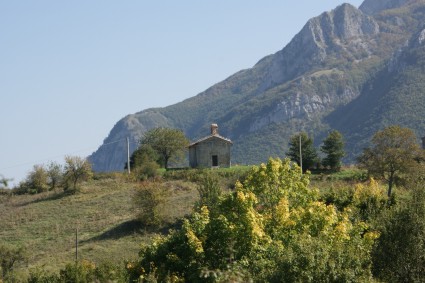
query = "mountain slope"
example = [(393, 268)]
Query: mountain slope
[(308, 85), (374, 7), (395, 96)]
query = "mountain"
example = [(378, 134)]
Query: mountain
[(396, 95), (355, 70), (374, 7)]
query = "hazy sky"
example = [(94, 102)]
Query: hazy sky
[(69, 70)]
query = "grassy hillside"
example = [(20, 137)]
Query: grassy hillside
[(104, 213)]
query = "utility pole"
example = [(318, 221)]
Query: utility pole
[(301, 157), (128, 155), (76, 245)]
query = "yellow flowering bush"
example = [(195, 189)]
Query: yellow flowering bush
[(272, 228)]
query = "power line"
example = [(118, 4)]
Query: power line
[(61, 155)]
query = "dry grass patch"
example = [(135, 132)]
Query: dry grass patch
[(104, 213)]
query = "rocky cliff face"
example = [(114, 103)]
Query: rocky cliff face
[(341, 29), (344, 34), (325, 68)]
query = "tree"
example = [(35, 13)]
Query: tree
[(3, 181), (76, 169), (308, 152), (37, 180), (333, 147), (167, 143), (55, 174), (393, 152), (144, 154), (144, 162)]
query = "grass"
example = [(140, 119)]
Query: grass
[(104, 213)]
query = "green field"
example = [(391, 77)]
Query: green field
[(103, 212)]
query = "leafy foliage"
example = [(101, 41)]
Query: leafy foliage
[(144, 162), (55, 175), (148, 199), (83, 272), (209, 191), (9, 257), (37, 180), (145, 153), (167, 143), (3, 182), (367, 201), (272, 228), (76, 170), (393, 152), (399, 253)]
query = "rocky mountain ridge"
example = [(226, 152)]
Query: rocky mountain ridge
[(330, 65)]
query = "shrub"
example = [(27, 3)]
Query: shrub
[(148, 199), (9, 257), (399, 253), (83, 272), (41, 276), (209, 192), (38, 180), (273, 228), (146, 170)]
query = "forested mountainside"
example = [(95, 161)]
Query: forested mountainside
[(355, 70)]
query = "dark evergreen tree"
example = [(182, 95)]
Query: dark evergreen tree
[(308, 151), (333, 147)]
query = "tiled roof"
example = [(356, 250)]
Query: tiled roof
[(210, 136)]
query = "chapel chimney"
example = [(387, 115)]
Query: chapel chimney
[(214, 129)]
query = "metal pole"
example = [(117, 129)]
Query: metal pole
[(76, 245), (301, 157), (128, 155)]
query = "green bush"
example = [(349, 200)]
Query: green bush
[(399, 253), (209, 192), (148, 199), (146, 170), (9, 257), (41, 276), (83, 272), (273, 228), (366, 201)]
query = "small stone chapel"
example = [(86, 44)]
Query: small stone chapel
[(210, 151)]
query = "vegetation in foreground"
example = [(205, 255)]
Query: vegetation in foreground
[(273, 226), (269, 223)]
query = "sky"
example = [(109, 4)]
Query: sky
[(69, 70)]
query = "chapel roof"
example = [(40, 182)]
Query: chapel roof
[(210, 137)]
